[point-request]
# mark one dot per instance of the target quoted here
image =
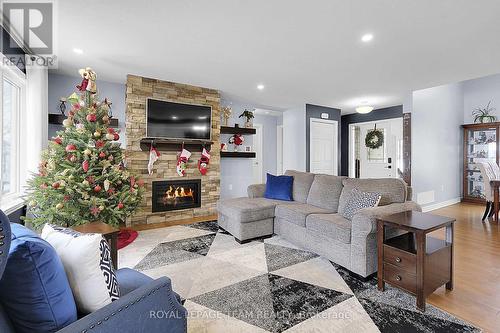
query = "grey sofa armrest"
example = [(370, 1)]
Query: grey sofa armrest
[(364, 222), (256, 190), (151, 308)]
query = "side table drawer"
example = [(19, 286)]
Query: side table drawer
[(402, 259), (399, 277)]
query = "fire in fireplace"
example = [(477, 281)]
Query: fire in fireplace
[(176, 194)]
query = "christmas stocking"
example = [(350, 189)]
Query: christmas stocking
[(203, 162), (154, 155), (182, 162)]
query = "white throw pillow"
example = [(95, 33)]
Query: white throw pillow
[(87, 262)]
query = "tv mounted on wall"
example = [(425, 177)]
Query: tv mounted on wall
[(169, 120)]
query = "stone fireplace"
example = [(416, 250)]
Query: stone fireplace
[(176, 194), (139, 89)]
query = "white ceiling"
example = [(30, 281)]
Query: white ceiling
[(302, 51)]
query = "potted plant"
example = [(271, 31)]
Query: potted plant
[(482, 115), (248, 116)]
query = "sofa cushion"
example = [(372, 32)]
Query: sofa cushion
[(325, 192), (297, 213), (130, 279), (279, 187), (392, 190), (333, 226), (34, 289), (302, 182), (248, 209)]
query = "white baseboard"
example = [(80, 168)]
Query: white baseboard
[(442, 204)]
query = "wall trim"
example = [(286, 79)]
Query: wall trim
[(441, 204)]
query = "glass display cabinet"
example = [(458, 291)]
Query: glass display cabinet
[(480, 144)]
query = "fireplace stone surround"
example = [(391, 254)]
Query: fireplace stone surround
[(138, 90)]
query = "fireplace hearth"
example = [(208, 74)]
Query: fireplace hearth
[(171, 195)]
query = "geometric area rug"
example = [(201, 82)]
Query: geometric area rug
[(273, 286)]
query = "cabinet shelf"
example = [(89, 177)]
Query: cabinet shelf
[(239, 154), (237, 130)]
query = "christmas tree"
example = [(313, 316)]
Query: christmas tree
[(82, 177)]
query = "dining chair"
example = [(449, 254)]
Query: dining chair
[(488, 174)]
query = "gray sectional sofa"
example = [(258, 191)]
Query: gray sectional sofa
[(314, 219)]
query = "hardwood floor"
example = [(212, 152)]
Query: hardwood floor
[(476, 293)]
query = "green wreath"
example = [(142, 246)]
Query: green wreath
[(374, 139)]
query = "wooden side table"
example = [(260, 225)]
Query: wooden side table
[(415, 262), (109, 233)]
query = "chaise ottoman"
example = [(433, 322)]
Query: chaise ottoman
[(247, 218)]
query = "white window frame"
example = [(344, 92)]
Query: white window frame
[(13, 200)]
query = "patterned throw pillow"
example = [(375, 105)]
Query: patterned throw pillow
[(87, 261), (359, 200)]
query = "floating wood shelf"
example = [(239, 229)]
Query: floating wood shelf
[(239, 154), (236, 130), (57, 119), (175, 144)]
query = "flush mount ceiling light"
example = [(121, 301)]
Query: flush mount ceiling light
[(260, 86), (367, 37), (364, 109), (78, 51)]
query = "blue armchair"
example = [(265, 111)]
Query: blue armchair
[(146, 305)]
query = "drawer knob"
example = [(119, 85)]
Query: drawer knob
[(398, 278), (398, 259)]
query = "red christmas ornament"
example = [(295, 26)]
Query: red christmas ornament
[(76, 106), (120, 205), (56, 185), (58, 140), (97, 188), (85, 165), (99, 144), (91, 117), (116, 137), (111, 191), (43, 186), (66, 198), (102, 154), (132, 181), (111, 130), (70, 148)]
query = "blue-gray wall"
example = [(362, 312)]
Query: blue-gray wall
[(237, 173), (346, 120), (437, 144), (64, 85)]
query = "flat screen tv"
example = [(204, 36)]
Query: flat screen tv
[(178, 121)]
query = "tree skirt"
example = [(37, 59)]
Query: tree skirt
[(125, 237)]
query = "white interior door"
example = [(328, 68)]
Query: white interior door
[(323, 149), (257, 167), (382, 162), (279, 150)]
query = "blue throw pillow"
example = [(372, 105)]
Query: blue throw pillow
[(34, 289), (279, 187)]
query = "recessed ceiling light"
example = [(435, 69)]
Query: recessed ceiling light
[(174, 117), (78, 51), (367, 37), (364, 109), (260, 86)]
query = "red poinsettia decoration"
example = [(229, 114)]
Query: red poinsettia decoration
[(237, 139)]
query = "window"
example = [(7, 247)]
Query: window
[(12, 92)]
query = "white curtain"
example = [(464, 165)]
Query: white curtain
[(36, 115)]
